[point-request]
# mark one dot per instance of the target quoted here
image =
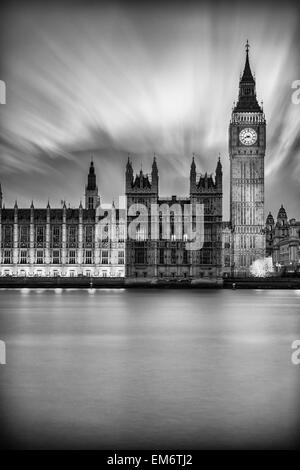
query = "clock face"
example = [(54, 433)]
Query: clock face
[(248, 136)]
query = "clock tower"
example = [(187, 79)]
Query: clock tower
[(247, 145)]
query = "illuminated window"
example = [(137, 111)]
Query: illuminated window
[(55, 257), (72, 257), (88, 257), (7, 257), (23, 256), (39, 256), (104, 257)]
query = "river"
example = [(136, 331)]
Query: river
[(149, 369)]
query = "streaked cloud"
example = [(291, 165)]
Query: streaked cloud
[(142, 79)]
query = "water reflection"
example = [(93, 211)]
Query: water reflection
[(151, 368)]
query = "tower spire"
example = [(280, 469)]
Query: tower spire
[(247, 46), (247, 74), (247, 101)]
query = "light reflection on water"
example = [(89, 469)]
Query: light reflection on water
[(150, 368)]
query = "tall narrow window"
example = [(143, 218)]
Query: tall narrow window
[(72, 257), (7, 257), (7, 239), (72, 235), (173, 256), (104, 257), (121, 257), (40, 235), (23, 256), (88, 235), (56, 235), (39, 256), (24, 235), (91, 202), (88, 257), (56, 257)]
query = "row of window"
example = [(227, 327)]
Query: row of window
[(141, 256), (55, 235), (172, 274), (246, 259), (56, 257), (142, 235), (247, 241), (88, 235)]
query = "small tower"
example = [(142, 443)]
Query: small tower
[(281, 217), (154, 175), (92, 199), (193, 176), (281, 227), (0, 196), (219, 175), (129, 176)]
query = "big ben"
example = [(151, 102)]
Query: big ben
[(247, 145)]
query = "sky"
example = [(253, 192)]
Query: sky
[(108, 79)]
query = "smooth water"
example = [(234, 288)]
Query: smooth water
[(181, 369)]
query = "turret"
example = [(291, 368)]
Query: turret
[(92, 199), (282, 216), (270, 221), (16, 212), (154, 175), (129, 176), (219, 174), (193, 176)]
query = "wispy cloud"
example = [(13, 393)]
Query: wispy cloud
[(112, 80)]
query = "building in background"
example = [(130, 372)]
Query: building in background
[(283, 241)]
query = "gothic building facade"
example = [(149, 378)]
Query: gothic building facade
[(168, 254), (63, 242)]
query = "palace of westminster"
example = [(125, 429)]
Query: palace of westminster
[(67, 242)]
